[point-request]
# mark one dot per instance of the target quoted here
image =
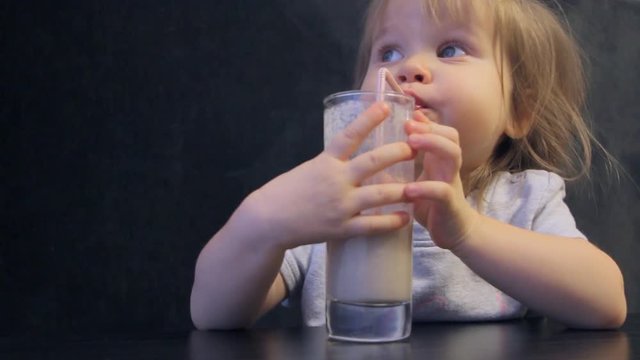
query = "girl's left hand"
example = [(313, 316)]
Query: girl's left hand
[(438, 194)]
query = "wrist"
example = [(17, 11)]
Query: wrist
[(465, 243), (255, 225)]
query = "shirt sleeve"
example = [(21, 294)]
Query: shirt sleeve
[(553, 215), (294, 267)]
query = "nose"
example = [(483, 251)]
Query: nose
[(414, 71)]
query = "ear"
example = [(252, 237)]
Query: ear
[(517, 128), (520, 121)]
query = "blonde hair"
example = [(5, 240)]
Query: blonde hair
[(548, 93)]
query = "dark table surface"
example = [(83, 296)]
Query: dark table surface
[(522, 339)]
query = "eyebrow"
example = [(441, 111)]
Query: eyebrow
[(458, 28), (380, 31)]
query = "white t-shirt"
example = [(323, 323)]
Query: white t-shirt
[(444, 288)]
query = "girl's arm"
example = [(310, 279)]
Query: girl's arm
[(236, 276), (567, 279)]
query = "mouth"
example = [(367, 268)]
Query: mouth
[(419, 103), (422, 106)]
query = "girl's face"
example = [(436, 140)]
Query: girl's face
[(451, 68)]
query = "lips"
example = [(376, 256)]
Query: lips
[(422, 106)]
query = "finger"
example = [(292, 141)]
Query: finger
[(366, 197), (429, 190), (416, 127), (348, 140), (435, 144), (419, 116), (376, 224), (371, 162)]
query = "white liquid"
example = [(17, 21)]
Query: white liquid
[(374, 269), (378, 269)]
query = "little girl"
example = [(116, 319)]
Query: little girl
[(498, 88)]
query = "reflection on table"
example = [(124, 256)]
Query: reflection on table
[(501, 340), (523, 339)]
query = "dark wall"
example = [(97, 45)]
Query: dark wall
[(609, 213), (131, 130)]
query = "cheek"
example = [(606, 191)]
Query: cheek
[(369, 82), (478, 116), (475, 105)]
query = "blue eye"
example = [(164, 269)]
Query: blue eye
[(450, 51), (389, 55)]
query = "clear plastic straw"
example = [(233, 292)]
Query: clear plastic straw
[(386, 78)]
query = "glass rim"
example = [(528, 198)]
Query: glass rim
[(349, 93)]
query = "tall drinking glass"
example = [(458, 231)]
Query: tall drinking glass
[(369, 277)]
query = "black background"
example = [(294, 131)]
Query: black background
[(131, 130)]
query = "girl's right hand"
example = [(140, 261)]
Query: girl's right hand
[(321, 199)]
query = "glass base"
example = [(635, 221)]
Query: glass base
[(368, 322)]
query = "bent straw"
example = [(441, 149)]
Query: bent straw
[(385, 77)]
